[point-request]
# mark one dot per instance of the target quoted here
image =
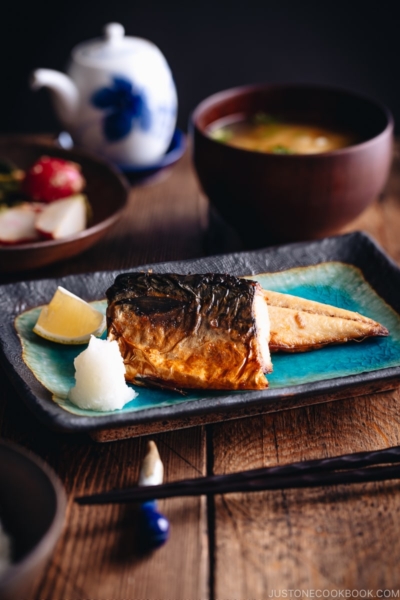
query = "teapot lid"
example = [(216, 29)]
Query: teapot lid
[(114, 45)]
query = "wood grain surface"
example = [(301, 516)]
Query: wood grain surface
[(233, 547), (338, 537)]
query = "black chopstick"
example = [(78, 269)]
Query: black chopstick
[(348, 468)]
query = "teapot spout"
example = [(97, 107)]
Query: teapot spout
[(64, 92)]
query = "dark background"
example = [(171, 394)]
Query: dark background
[(210, 45)]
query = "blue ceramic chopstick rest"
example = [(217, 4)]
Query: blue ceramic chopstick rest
[(153, 526)]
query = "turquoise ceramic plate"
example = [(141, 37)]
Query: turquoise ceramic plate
[(44, 371)]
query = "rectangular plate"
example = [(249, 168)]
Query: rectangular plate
[(347, 271)]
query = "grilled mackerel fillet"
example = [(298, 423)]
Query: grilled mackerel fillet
[(298, 325), (190, 331)]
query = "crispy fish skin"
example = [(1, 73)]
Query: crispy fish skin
[(299, 325), (187, 331)]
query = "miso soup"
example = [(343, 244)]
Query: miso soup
[(264, 133)]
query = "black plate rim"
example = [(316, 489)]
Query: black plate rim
[(357, 249)]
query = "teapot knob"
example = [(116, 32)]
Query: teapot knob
[(114, 32)]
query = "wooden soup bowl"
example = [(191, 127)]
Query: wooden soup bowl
[(270, 198)]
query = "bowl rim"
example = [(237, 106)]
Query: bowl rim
[(49, 539), (252, 88), (89, 231)]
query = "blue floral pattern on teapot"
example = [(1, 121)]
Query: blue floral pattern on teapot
[(125, 106)]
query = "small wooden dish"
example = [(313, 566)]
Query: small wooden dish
[(106, 189), (32, 508)]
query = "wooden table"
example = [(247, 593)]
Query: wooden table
[(239, 546)]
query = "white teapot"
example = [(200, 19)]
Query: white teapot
[(118, 98)]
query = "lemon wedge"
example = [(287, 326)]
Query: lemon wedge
[(69, 320)]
